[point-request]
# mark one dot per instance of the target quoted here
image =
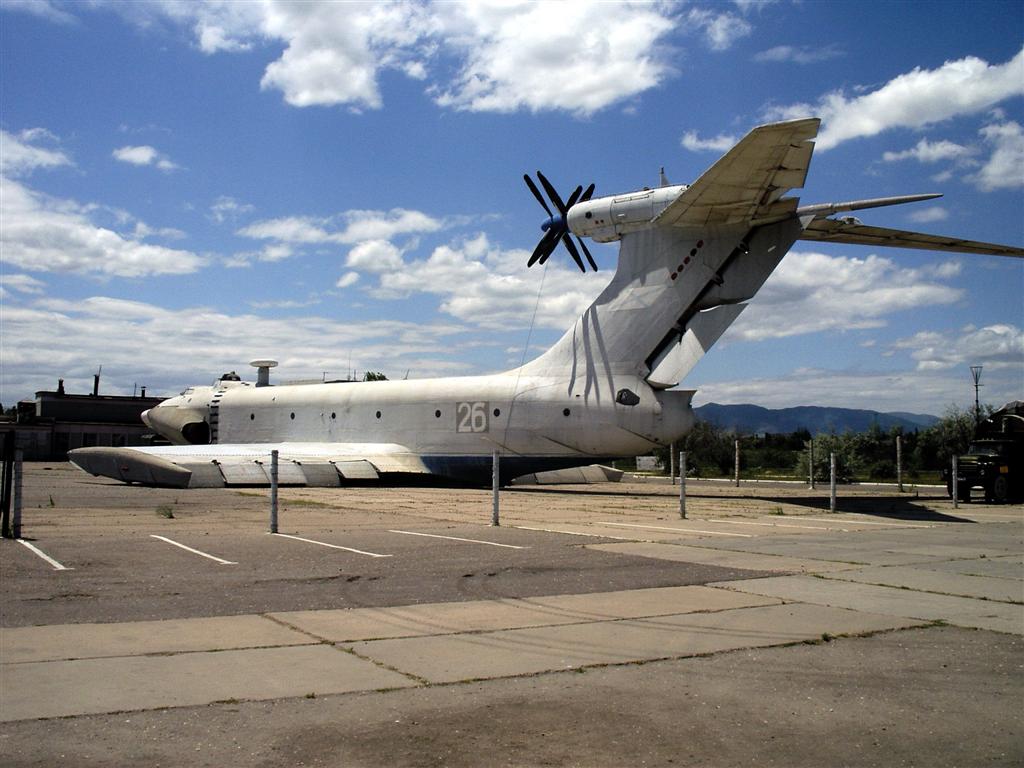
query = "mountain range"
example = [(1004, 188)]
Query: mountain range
[(753, 419)]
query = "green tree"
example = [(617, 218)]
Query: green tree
[(374, 376)]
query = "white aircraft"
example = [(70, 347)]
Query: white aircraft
[(689, 257)]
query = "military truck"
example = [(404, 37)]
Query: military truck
[(994, 461)]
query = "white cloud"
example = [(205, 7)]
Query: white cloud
[(926, 215), (811, 292), (994, 346), (799, 55), (1005, 168), (931, 152), (916, 99), (720, 143), (20, 284), (225, 208), (575, 56), (375, 256), (721, 29), (42, 8), (357, 226), (143, 155), (19, 156), (347, 280), (169, 349), (44, 234), (502, 55)]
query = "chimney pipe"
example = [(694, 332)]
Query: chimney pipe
[(95, 384)]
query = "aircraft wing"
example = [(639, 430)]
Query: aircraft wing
[(219, 465), (852, 231), (748, 182)]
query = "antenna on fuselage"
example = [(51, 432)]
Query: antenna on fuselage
[(664, 179), (263, 371)]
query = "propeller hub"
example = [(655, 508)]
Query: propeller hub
[(552, 221)]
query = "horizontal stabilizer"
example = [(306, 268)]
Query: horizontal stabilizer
[(839, 231)]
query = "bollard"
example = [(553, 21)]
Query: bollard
[(832, 482), (495, 467), (273, 491), (737, 463), (672, 464), (810, 463), (682, 485), (899, 463), (956, 490), (16, 495)]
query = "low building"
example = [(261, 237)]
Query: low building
[(56, 422)]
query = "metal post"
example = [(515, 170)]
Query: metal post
[(6, 480), (495, 466), (682, 484), (832, 482), (672, 464), (956, 490), (899, 463), (273, 491), (737, 462), (810, 463), (16, 512)]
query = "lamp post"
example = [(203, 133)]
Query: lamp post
[(976, 375)]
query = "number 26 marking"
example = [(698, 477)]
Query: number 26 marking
[(471, 417)]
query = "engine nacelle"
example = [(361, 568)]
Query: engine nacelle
[(606, 219)]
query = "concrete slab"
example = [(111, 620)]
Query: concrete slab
[(1005, 567), (488, 615), (83, 641), (91, 686), (924, 579), (528, 651), (962, 611), (725, 558)]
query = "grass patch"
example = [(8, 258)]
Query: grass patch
[(164, 510)]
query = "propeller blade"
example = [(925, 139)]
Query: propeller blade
[(573, 198), (586, 252), (573, 252), (552, 193), (588, 194), (544, 247), (556, 235), (536, 193)]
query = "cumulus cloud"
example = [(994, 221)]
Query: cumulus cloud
[(143, 155), (477, 56), (42, 8), (347, 280), (720, 143), (926, 215), (20, 155), (720, 29), (916, 99), (169, 349), (226, 208), (994, 346), (45, 234), (346, 228), (541, 56), (812, 292), (1005, 167), (931, 152)]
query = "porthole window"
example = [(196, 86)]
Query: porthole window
[(565, 411), (378, 414), (497, 411), (252, 417), (437, 414), (334, 415), (292, 416)]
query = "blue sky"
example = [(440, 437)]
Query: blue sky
[(189, 186)]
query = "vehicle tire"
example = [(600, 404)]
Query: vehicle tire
[(1000, 489)]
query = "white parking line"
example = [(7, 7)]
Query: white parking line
[(779, 525), (56, 566), (866, 522), (679, 530), (575, 533), (194, 551), (456, 538), (332, 546)]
